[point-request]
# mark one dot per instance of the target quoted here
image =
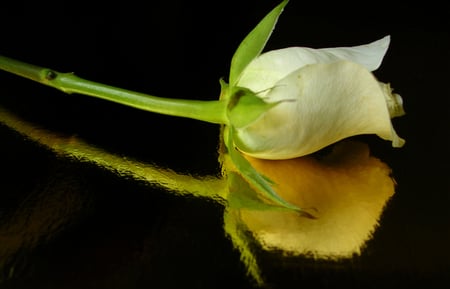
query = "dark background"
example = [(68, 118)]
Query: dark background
[(118, 233)]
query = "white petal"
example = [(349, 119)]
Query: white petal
[(267, 69), (324, 103)]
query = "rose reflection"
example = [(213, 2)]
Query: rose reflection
[(345, 190)]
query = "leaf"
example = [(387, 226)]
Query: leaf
[(254, 43)]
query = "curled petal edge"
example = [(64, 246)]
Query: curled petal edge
[(264, 71)]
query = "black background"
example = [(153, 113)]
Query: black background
[(123, 234)]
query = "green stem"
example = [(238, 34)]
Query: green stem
[(209, 111)]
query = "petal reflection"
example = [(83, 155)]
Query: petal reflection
[(347, 191)]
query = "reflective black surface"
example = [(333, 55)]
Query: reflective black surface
[(79, 226)]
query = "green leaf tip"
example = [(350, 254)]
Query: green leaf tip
[(254, 43)]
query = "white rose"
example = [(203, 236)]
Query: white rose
[(325, 95)]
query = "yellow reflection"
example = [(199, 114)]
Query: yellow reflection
[(346, 190)]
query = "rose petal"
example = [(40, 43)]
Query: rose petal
[(322, 104), (267, 69)]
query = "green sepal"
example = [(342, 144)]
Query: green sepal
[(251, 175), (224, 90), (245, 107), (243, 196), (254, 43)]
